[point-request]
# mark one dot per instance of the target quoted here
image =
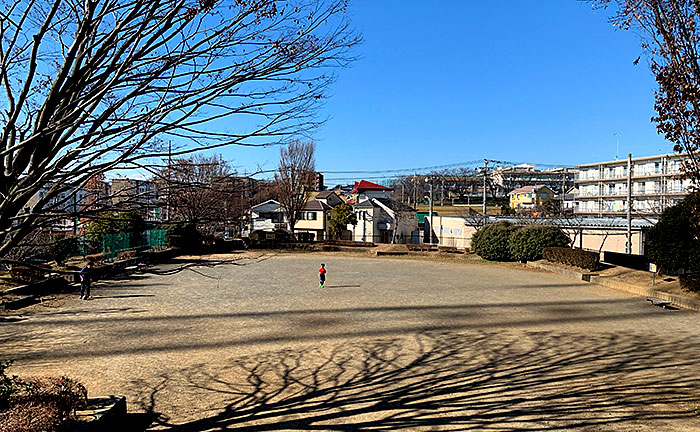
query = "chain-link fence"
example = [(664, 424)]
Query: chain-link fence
[(112, 244)]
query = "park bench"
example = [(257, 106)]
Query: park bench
[(658, 302)]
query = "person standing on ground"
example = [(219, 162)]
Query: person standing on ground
[(85, 280), (322, 275)]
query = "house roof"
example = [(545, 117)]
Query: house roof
[(267, 205), (366, 204), (364, 185), (572, 222), (324, 194), (527, 189), (316, 205), (395, 205)]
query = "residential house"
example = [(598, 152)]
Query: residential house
[(379, 218), (369, 190), (312, 224), (528, 197), (268, 216), (329, 197)]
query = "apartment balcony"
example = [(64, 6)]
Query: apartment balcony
[(587, 179)]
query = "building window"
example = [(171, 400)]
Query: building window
[(310, 215)]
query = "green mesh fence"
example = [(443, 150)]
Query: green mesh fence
[(111, 244)]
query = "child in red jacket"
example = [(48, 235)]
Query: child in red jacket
[(322, 275)]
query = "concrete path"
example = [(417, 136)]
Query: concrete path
[(389, 344)]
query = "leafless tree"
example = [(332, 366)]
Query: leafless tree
[(294, 178), (201, 189), (94, 86), (670, 35)]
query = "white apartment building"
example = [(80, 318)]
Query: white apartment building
[(657, 183)]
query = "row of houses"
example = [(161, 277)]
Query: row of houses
[(379, 218)]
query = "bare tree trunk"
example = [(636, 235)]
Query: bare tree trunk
[(294, 177)]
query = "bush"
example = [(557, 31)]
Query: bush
[(674, 242), (183, 236), (490, 242), (690, 282), (114, 223), (37, 404), (58, 248), (526, 243), (26, 274), (47, 247), (574, 257)]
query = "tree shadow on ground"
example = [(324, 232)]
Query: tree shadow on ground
[(441, 381)]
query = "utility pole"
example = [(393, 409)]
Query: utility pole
[(415, 190), (563, 189), (431, 210), (628, 245), (484, 204), (442, 192)]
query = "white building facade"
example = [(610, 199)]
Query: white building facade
[(657, 183)]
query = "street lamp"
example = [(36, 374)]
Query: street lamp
[(617, 140)]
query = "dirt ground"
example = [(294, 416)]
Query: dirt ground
[(390, 344)]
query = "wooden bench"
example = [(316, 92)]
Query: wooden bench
[(658, 302)]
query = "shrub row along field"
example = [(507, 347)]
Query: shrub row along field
[(504, 241)]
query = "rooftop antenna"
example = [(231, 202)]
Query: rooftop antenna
[(617, 140)]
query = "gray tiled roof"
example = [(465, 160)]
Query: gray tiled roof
[(578, 222), (365, 204), (395, 205), (324, 194), (316, 205), (527, 189)]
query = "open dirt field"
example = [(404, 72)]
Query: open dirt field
[(389, 344)]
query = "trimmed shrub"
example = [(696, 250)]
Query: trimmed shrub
[(526, 243), (490, 241), (574, 257)]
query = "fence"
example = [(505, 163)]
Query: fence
[(112, 244)]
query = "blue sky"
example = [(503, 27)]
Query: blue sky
[(541, 81)]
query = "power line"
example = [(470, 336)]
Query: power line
[(404, 172), (452, 165)]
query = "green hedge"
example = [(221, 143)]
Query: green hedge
[(490, 242), (674, 242), (503, 241), (574, 257), (526, 244)]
